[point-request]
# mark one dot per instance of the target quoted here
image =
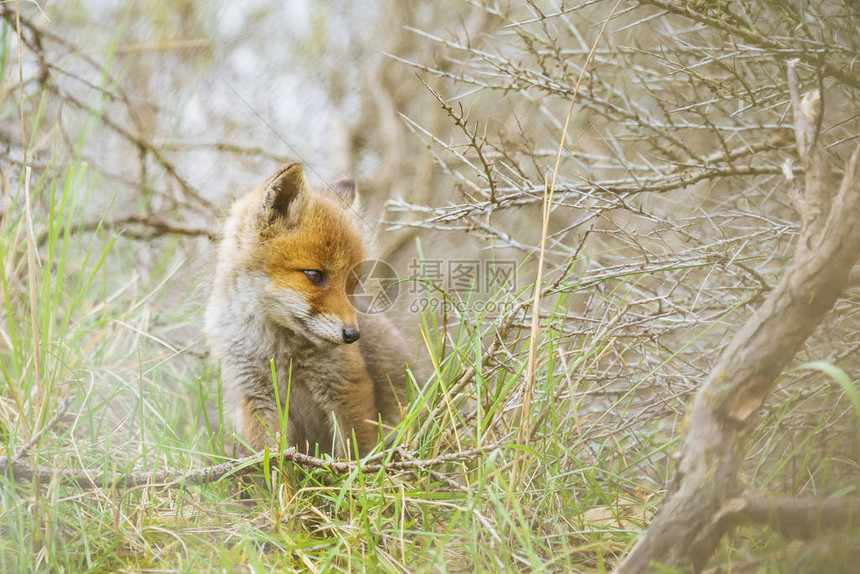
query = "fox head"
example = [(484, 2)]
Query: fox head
[(306, 249)]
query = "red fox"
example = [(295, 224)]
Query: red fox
[(281, 294)]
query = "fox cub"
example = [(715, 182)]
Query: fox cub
[(285, 270)]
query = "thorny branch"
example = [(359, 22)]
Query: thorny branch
[(674, 169), (685, 530), (810, 53), (671, 211)]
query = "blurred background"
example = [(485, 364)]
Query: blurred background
[(669, 220)]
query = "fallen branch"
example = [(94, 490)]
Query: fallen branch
[(93, 478)]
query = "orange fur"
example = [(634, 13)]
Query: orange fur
[(264, 308)]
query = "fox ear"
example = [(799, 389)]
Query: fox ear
[(345, 190), (284, 189)]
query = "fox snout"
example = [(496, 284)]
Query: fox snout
[(351, 335)]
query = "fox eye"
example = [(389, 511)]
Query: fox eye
[(315, 276)]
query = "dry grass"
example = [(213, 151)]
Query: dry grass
[(667, 225)]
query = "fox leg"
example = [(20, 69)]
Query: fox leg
[(260, 426), (354, 408)]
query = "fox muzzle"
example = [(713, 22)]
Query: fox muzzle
[(351, 335)]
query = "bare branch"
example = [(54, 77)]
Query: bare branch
[(792, 517), (152, 227), (712, 447), (98, 478)]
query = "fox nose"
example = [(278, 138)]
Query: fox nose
[(350, 334)]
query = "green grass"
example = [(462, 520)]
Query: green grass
[(124, 344), (140, 403)]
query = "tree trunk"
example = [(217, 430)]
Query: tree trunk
[(706, 497)]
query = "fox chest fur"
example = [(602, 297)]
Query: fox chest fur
[(280, 321)]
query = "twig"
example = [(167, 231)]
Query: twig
[(157, 227), (34, 440), (476, 142), (754, 36), (712, 447), (96, 478), (549, 192)]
